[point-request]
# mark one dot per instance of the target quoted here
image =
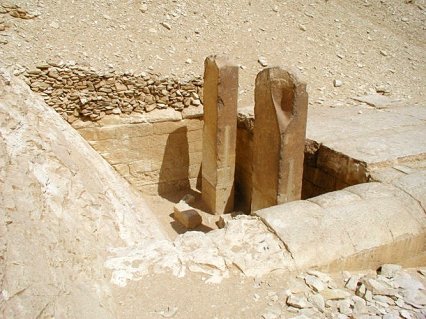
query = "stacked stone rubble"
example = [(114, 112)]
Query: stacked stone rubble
[(80, 92), (391, 294)]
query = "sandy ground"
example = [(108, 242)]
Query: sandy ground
[(368, 45), (165, 296)]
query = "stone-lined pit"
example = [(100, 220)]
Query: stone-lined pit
[(159, 119)]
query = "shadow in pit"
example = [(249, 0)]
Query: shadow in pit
[(174, 172)]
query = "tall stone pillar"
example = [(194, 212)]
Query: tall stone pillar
[(219, 134), (281, 105)]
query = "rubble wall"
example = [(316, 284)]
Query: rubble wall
[(78, 92)]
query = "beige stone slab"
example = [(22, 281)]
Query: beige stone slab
[(385, 145), (164, 115), (337, 198), (370, 135), (193, 112)]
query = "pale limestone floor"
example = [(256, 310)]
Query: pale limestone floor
[(374, 136)]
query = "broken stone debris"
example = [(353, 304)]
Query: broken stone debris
[(79, 92), (370, 298)]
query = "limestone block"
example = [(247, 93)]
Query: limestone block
[(281, 104), (186, 215), (194, 124), (167, 127), (219, 134), (166, 115), (192, 112)]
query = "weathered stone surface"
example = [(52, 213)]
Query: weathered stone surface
[(314, 283), (219, 134), (381, 221), (317, 301), (244, 242), (186, 215), (298, 301), (378, 101), (390, 270), (335, 294), (62, 208), (281, 104)]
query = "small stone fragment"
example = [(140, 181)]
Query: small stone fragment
[(405, 314), (335, 294), (166, 25), (262, 61), (223, 220), (337, 83), (389, 270), (298, 301), (368, 296), (320, 275), (393, 315), (352, 282), (314, 283), (169, 312), (317, 301), (143, 8), (405, 281), (186, 215), (359, 305), (344, 307), (120, 87)]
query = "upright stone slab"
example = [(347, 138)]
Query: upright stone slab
[(219, 134), (281, 104)]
